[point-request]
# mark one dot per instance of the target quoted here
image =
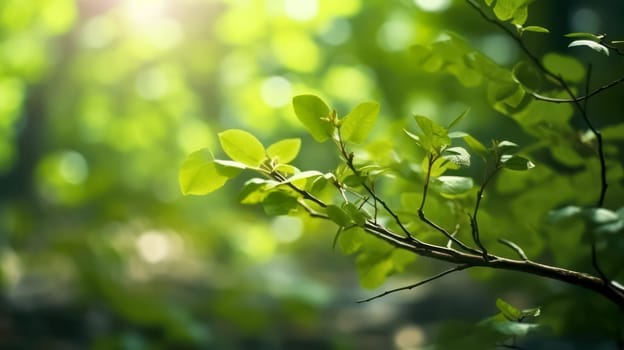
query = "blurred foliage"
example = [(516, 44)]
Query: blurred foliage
[(100, 101)]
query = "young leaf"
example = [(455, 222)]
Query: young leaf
[(592, 45), (535, 29), (509, 311), (358, 124), (314, 115), (242, 146), (435, 137), (516, 163), (300, 176), (285, 150), (199, 174)]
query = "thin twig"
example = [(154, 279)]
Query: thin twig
[(441, 274), (423, 217), (515, 247), (581, 98), (348, 157), (473, 219)]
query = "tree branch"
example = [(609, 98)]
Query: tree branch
[(412, 286)]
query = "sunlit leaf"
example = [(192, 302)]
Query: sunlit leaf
[(516, 163), (514, 10), (200, 174), (314, 115), (598, 47), (254, 191), (535, 29), (359, 122), (284, 150), (242, 146)]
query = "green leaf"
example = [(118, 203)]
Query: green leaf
[(434, 137), (591, 44), (582, 35), (509, 311), (533, 312), (338, 215), (350, 240), (454, 185), (458, 156), (527, 75), (359, 122), (515, 328), (565, 66), (373, 269), (284, 150), (200, 174), (279, 203), (506, 146), (566, 212), (314, 114), (514, 10), (476, 146), (535, 29), (304, 175), (356, 214), (242, 146), (458, 119), (516, 163), (254, 191)]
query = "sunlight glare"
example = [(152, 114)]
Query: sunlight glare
[(153, 246), (433, 5), (301, 10)]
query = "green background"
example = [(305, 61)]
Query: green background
[(100, 101)]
